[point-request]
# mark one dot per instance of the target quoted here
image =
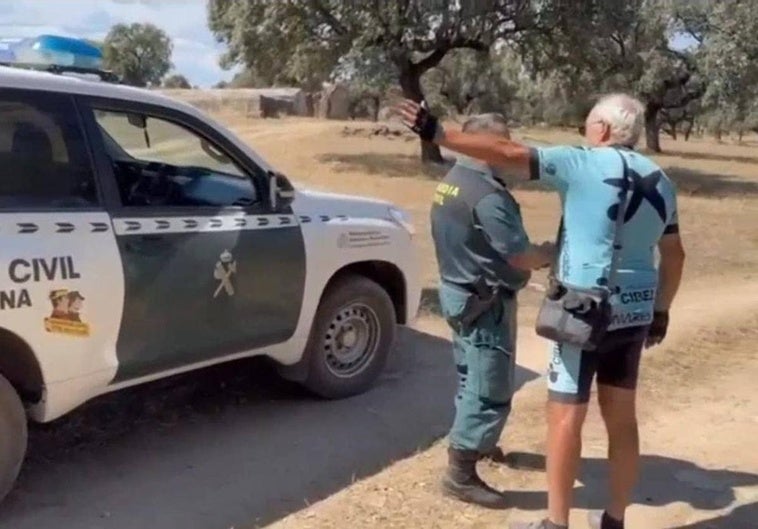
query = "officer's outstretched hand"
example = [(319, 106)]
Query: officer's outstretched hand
[(658, 328), (417, 117)]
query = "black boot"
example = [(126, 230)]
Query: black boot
[(602, 520), (462, 482)]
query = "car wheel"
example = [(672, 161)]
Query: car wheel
[(13, 440), (350, 339)]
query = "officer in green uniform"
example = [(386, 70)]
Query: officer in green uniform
[(485, 258)]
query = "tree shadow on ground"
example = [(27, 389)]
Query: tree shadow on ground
[(228, 446), (403, 165), (430, 301), (536, 142), (390, 165), (696, 183), (711, 156), (688, 181), (663, 481), (743, 517)]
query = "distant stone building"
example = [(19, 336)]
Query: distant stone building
[(334, 102), (253, 102)]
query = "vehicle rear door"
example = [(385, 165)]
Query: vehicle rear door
[(210, 269)]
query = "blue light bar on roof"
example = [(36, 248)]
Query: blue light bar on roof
[(57, 50)]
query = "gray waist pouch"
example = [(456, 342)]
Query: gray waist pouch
[(575, 316)]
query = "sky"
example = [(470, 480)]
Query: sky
[(196, 52)]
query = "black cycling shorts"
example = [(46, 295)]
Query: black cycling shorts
[(616, 362)]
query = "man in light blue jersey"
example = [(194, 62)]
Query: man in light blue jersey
[(591, 183)]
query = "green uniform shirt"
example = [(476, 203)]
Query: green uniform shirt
[(476, 226)]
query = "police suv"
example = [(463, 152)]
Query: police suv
[(141, 239)]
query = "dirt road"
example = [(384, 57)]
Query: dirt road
[(234, 447), (699, 426), (226, 446)]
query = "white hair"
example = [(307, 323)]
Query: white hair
[(624, 114)]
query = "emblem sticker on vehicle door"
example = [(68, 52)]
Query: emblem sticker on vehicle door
[(65, 317), (226, 267)]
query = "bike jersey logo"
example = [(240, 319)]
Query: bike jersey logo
[(555, 361), (643, 187), (226, 267)]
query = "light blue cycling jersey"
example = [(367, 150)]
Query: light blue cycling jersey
[(589, 181)]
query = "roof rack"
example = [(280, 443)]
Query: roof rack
[(104, 75)]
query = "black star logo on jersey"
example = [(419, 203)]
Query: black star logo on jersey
[(643, 187)]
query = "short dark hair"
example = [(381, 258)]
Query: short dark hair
[(494, 122)]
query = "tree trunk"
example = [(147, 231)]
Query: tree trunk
[(652, 127), (377, 107), (688, 130), (410, 82)]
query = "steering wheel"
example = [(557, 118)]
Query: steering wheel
[(152, 189)]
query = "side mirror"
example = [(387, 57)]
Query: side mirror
[(281, 191)]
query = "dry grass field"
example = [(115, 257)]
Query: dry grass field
[(698, 408)]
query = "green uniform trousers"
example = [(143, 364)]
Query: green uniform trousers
[(485, 358)]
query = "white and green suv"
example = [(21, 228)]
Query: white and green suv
[(141, 239)]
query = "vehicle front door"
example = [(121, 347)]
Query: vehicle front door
[(210, 269)]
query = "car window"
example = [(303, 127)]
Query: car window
[(160, 163), (44, 160)]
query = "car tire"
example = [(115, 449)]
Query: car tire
[(13, 440), (350, 339)]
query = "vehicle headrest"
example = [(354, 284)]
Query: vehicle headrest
[(30, 140)]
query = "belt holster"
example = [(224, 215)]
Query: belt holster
[(482, 298)]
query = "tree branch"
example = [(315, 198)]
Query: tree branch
[(687, 99), (329, 17), (615, 37), (382, 21), (403, 7), (686, 58), (431, 60), (472, 44)]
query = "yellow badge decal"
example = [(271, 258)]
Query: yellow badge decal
[(66, 314), (445, 190)]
